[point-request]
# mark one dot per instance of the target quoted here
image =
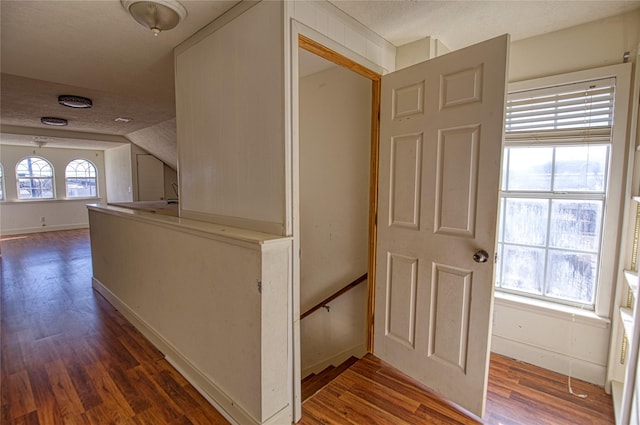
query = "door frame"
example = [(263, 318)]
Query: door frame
[(324, 52), (315, 42)]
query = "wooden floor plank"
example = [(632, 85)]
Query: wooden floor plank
[(69, 357), (63, 390), (541, 399), (21, 400)]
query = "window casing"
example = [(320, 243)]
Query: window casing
[(1, 183), (81, 179), (559, 144), (34, 176)]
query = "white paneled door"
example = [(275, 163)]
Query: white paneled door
[(440, 149)]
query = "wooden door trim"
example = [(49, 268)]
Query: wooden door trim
[(324, 52)]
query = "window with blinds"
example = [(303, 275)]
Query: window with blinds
[(554, 188)]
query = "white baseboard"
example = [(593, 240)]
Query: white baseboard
[(557, 362), (201, 382), (42, 229), (358, 351)]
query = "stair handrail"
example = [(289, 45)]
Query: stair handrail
[(335, 295)]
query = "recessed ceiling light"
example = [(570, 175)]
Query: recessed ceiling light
[(121, 119), (53, 121), (74, 101)]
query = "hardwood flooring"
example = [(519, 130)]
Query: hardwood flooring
[(315, 382), (372, 392), (68, 357)]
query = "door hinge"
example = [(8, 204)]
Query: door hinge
[(495, 258), (260, 286)]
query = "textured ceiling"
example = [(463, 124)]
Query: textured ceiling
[(461, 23), (95, 49)]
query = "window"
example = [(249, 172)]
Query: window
[(1, 183), (35, 178), (80, 179), (555, 180)]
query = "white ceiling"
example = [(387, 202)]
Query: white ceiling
[(459, 23), (95, 49)]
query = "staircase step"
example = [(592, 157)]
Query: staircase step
[(315, 382)]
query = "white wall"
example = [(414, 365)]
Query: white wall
[(335, 29), (585, 46), (230, 120), (335, 138), (122, 174), (118, 174), (24, 216), (552, 338), (170, 178), (419, 51), (214, 300)]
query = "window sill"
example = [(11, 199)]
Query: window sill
[(59, 200), (548, 308)]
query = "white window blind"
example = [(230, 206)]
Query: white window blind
[(579, 112)]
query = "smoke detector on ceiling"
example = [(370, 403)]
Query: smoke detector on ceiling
[(156, 15)]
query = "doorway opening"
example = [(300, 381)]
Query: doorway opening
[(338, 145)]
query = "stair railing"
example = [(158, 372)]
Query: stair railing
[(324, 303)]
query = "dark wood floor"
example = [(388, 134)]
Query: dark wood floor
[(372, 392), (68, 357)]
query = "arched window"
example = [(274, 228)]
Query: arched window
[(80, 179), (1, 183), (35, 178)]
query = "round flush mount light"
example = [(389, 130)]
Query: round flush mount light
[(75, 101), (156, 15), (53, 121)]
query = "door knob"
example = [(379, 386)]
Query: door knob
[(481, 256)]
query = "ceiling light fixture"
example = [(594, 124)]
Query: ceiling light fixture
[(53, 121), (157, 15), (74, 101)]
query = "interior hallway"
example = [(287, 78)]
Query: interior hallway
[(68, 357)]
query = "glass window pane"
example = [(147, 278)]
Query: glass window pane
[(80, 176), (81, 188), (525, 221), (35, 167), (529, 168), (501, 222), (35, 188), (572, 276), (575, 224), (580, 168), (523, 269), (35, 178)]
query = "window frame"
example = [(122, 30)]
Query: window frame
[(549, 197), (3, 192), (52, 178), (619, 178), (67, 178)]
